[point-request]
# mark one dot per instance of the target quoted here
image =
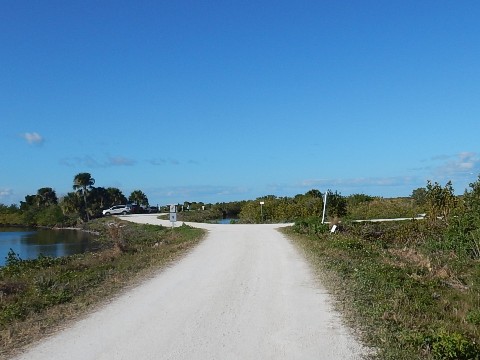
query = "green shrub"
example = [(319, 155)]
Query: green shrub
[(452, 346), (473, 317), (310, 226), (380, 208), (13, 264), (50, 216), (12, 259), (200, 215), (14, 311)]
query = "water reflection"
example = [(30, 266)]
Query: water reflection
[(30, 243)]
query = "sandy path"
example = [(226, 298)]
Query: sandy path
[(243, 293)]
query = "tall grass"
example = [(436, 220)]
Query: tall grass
[(411, 297)]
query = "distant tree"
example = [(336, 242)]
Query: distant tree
[(10, 215), (8, 209), (314, 193), (419, 195), (230, 210), (138, 197), (50, 216), (355, 199), (267, 197), (464, 228), (98, 199), (311, 203), (196, 205), (30, 201), (71, 204), (440, 201), (336, 205), (472, 198), (116, 197), (298, 196), (468, 218), (46, 197), (83, 182)]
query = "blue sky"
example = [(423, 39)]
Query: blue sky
[(229, 100)]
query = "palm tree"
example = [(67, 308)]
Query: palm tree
[(138, 197), (98, 200), (46, 196), (116, 196), (83, 182), (70, 204)]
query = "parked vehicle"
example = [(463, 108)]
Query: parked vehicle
[(135, 208), (117, 210), (151, 209)]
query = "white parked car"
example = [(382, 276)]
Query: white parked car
[(117, 210)]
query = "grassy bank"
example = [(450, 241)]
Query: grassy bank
[(411, 296), (38, 296)]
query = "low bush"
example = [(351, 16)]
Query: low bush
[(310, 226), (381, 208), (200, 215), (451, 346)]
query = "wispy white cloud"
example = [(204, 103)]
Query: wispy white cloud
[(458, 168), (90, 162), (464, 162), (163, 161), (364, 181), (198, 193), (171, 161), (441, 157), (7, 196), (80, 161), (33, 138), (4, 193), (120, 161)]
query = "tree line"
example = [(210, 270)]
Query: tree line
[(437, 203), (82, 204), (86, 201)]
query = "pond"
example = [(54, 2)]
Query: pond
[(226, 221), (30, 243)]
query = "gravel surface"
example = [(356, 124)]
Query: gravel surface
[(243, 293)]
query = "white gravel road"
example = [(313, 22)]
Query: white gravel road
[(244, 293)]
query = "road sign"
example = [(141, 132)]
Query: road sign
[(173, 217)]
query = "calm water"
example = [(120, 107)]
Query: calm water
[(29, 243), (225, 221)]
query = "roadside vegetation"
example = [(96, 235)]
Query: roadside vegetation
[(200, 212), (412, 287), (85, 202), (310, 205), (37, 296)]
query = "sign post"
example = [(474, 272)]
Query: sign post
[(324, 206), (173, 214), (261, 209)]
